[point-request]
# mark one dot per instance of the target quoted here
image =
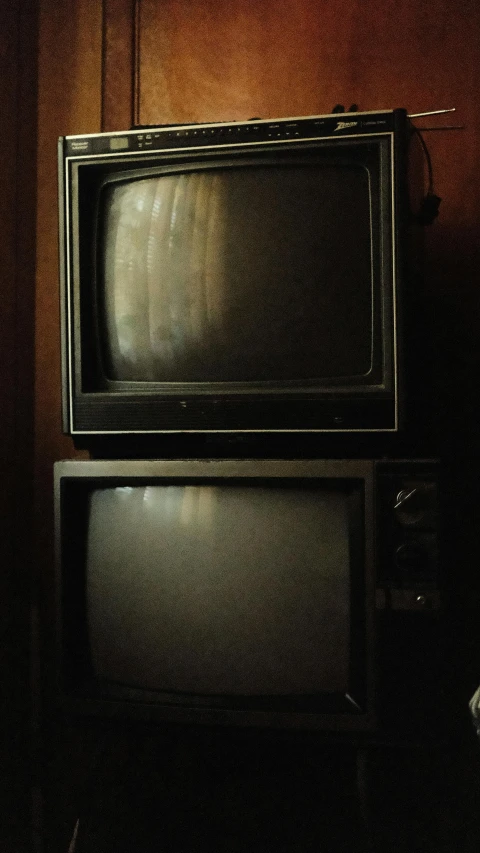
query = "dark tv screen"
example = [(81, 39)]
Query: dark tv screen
[(231, 592), (223, 590), (248, 273)]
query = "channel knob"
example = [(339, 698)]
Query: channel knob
[(411, 558), (411, 504)]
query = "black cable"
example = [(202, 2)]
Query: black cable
[(427, 158), (430, 204)]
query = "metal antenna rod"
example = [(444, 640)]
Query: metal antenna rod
[(431, 113)]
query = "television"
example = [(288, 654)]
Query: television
[(235, 278), (276, 594)]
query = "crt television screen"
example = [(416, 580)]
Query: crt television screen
[(247, 273), (214, 589), (217, 591)]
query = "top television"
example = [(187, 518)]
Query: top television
[(235, 278)]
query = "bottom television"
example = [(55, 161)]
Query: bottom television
[(272, 593)]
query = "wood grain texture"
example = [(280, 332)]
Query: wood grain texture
[(215, 60), (8, 103), (212, 61), (119, 54)]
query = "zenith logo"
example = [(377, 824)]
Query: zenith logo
[(342, 125)]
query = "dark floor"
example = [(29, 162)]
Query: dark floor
[(188, 794)]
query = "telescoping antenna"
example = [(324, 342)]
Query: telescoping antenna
[(437, 113)]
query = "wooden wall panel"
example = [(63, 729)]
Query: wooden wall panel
[(8, 106), (119, 54), (215, 60), (211, 61)]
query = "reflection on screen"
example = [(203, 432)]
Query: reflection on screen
[(220, 589), (251, 273)]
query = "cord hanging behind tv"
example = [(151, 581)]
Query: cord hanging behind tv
[(235, 278)]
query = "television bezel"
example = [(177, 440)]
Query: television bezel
[(75, 478), (137, 409)]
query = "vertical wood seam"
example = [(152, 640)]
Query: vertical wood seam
[(136, 64)]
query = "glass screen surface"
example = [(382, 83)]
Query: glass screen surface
[(246, 274), (212, 589)]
